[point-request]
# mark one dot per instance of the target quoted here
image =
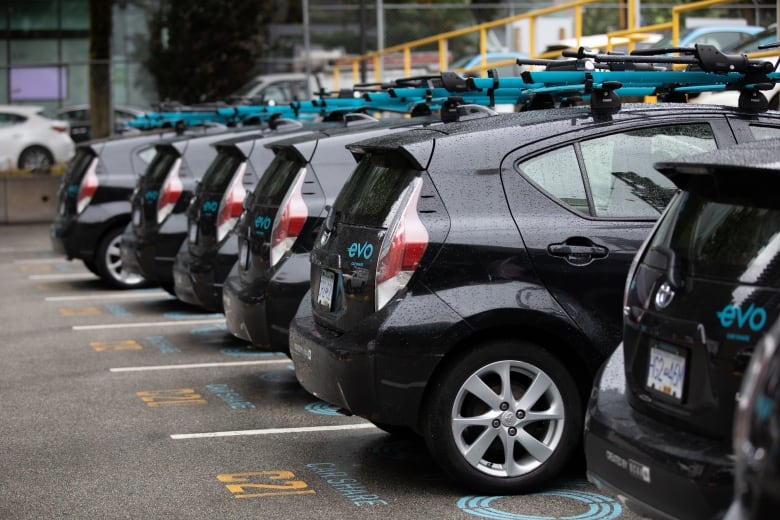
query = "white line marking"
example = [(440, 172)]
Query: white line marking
[(107, 295), (62, 276), (201, 365), (149, 324), (272, 431), (42, 261)]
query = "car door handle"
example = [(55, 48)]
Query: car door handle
[(579, 252)]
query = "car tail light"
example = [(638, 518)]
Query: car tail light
[(62, 128), (289, 219), (401, 252), (232, 204), (88, 187), (170, 193)]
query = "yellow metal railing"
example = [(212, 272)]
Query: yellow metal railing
[(374, 58), (629, 37)]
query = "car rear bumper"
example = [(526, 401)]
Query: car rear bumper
[(380, 368), (199, 281), (654, 468), (245, 310)]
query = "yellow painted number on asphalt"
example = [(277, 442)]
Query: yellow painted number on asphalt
[(128, 344), (281, 483), (174, 397), (86, 311), (35, 268)]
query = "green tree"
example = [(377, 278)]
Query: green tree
[(203, 50)]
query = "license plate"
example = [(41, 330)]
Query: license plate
[(194, 233), (325, 291), (62, 208), (137, 218), (666, 372), (243, 254)]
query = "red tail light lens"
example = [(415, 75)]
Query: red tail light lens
[(232, 204), (61, 128), (289, 219), (170, 193), (88, 187), (401, 253)]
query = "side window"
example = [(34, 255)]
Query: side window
[(558, 173), (764, 132), (616, 178), (10, 119)]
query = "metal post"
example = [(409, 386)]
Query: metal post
[(306, 47), (380, 34)]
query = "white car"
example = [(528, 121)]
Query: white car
[(31, 141)]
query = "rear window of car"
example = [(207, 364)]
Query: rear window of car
[(723, 241), (79, 164), (222, 169), (277, 178), (161, 164), (374, 188)]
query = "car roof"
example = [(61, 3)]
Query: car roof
[(417, 144), (22, 109)]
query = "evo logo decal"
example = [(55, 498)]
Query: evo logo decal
[(364, 250), (210, 207), (754, 317), (151, 196), (263, 223)]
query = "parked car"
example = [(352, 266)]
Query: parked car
[(472, 63), (159, 202), (276, 233), (757, 435), (467, 283), (210, 251), (730, 97), (31, 141), (94, 203), (721, 36), (701, 293), (78, 117), (280, 88)]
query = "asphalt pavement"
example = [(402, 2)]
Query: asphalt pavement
[(131, 404)]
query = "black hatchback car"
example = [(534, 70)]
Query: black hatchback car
[(283, 217), (94, 203), (206, 257), (702, 292), (757, 434), (159, 204), (468, 281)]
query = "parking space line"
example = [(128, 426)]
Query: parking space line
[(42, 261), (149, 324), (112, 295), (285, 360), (62, 276), (272, 431)]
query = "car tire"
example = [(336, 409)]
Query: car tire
[(468, 435), (108, 262), (36, 159)]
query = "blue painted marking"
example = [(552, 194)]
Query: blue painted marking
[(346, 484), (191, 315), (218, 327), (279, 376), (165, 346), (598, 507), (230, 396), (322, 408), (243, 352), (117, 310), (63, 268)]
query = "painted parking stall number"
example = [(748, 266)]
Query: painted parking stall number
[(171, 397), (103, 346), (257, 484)]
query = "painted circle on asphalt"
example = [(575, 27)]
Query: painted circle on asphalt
[(595, 506)]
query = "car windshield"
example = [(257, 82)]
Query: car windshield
[(723, 241)]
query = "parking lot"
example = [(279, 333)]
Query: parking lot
[(130, 404)]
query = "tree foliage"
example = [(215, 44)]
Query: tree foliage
[(206, 49)]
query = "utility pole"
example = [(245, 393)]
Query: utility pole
[(100, 21)]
